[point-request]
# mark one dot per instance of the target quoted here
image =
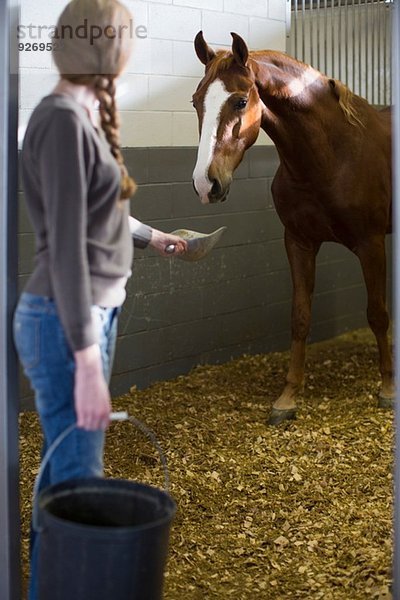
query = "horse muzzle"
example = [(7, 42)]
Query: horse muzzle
[(218, 192)]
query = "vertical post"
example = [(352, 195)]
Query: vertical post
[(326, 37), (396, 265), (390, 8), (9, 497), (346, 42), (339, 46), (379, 73), (353, 45), (311, 12), (318, 18), (289, 44), (360, 35), (367, 63), (295, 26), (374, 22), (303, 29), (385, 62), (333, 49)]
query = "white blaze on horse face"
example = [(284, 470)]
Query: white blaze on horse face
[(215, 99)]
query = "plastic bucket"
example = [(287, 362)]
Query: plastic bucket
[(103, 539)]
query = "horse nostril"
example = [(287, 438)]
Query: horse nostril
[(194, 187), (216, 188)]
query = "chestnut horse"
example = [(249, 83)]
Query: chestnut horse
[(333, 182)]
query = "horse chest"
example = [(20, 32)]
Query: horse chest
[(314, 215)]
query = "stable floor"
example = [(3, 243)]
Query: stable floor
[(303, 510)]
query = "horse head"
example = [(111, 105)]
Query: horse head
[(229, 111)]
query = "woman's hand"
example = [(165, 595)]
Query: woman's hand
[(160, 241), (92, 396)]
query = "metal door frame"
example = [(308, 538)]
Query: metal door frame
[(396, 267), (9, 402)]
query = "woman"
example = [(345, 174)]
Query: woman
[(76, 189)]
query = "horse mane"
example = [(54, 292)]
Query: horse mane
[(221, 62), (346, 100)]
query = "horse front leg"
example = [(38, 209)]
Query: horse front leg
[(302, 264), (372, 256)]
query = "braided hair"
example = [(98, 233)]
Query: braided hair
[(110, 122)]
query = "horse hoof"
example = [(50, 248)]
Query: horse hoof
[(277, 416), (386, 402)]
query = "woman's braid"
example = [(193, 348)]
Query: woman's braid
[(110, 123)]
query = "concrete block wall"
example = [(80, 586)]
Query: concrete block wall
[(235, 301)]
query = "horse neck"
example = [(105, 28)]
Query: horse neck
[(292, 94), (275, 71)]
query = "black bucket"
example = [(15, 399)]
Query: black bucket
[(103, 539)]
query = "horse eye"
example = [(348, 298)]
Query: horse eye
[(241, 104)]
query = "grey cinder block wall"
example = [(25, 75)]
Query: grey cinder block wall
[(235, 301)]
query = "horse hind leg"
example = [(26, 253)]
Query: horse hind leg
[(372, 257), (302, 264)]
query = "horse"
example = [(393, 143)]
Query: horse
[(333, 182)]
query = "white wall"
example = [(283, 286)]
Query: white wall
[(155, 91)]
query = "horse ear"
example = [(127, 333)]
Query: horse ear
[(203, 50), (239, 49)]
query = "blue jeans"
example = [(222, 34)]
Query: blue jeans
[(48, 363)]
